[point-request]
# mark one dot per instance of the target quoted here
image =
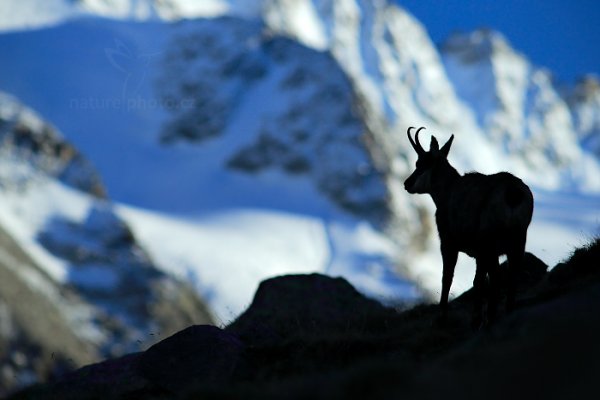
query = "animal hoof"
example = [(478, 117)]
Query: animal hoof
[(440, 321)]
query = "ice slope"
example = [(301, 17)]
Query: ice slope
[(73, 82)]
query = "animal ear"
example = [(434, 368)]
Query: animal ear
[(446, 149), (434, 146)]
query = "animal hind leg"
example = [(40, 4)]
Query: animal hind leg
[(515, 264), (479, 289)]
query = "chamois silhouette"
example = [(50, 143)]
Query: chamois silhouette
[(484, 216)]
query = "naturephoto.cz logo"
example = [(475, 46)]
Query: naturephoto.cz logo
[(134, 67)]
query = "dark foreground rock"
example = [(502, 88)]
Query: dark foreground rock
[(312, 336), (198, 354)]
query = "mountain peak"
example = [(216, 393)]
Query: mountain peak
[(586, 88)]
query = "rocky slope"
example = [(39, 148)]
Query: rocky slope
[(73, 290), (312, 336)]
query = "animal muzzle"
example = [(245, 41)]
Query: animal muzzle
[(409, 184)]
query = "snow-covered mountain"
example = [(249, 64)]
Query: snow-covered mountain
[(269, 137), (76, 285)]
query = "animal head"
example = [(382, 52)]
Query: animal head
[(431, 165)]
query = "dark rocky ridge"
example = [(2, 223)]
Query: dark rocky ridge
[(312, 336)]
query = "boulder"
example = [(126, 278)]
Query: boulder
[(292, 305)]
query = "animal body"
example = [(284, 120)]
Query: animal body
[(483, 216)]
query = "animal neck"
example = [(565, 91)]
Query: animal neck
[(446, 178)]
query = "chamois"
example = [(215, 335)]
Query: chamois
[(484, 216)]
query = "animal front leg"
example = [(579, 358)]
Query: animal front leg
[(449, 258), (494, 289)]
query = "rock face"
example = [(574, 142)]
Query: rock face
[(315, 336)]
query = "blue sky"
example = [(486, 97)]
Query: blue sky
[(561, 35)]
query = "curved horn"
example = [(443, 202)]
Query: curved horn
[(410, 139), (416, 145), (419, 148)]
